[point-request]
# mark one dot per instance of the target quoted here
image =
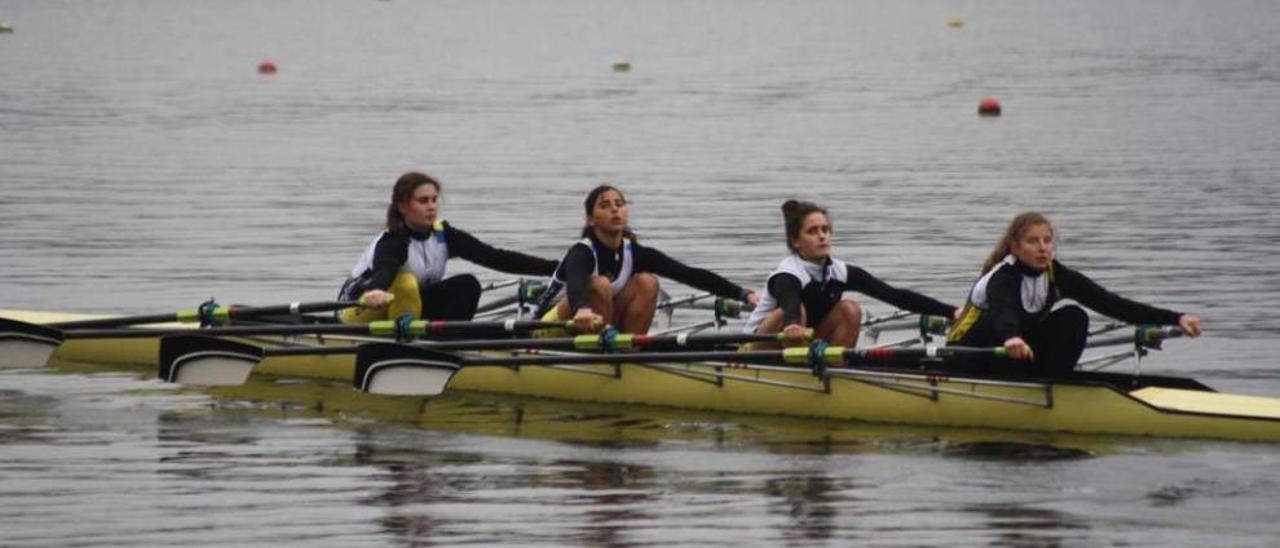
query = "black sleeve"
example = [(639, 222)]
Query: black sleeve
[(466, 246), (1077, 286), (389, 254), (786, 289), (648, 259), (1004, 302), (576, 271), (863, 282)]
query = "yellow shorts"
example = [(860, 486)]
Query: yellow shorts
[(407, 300)]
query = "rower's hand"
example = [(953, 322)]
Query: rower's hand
[(587, 321), (1190, 325), (795, 335), (752, 299), (955, 316), (1018, 349), (376, 298)]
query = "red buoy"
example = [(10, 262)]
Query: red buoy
[(267, 67), (988, 106)]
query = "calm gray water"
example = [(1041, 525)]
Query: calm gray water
[(147, 166)]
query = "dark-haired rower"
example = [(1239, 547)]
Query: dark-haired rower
[(807, 287), (403, 268), (609, 278)]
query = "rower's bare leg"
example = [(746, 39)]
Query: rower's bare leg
[(636, 304), (600, 297), (599, 300), (842, 325), (773, 324)]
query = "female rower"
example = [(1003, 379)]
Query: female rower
[(1011, 304), (806, 288), (402, 270), (609, 278)]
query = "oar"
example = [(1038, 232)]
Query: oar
[(197, 358), (398, 369), (26, 345), (209, 313)]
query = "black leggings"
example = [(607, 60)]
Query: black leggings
[(453, 298), (1057, 341)]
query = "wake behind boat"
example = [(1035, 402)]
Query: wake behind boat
[(922, 393)]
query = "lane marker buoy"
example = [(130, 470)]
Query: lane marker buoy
[(988, 106)]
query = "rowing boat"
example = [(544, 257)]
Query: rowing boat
[(1099, 403)]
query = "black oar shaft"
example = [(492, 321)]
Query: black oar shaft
[(385, 328), (830, 356), (218, 313)]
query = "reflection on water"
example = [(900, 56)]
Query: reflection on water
[(305, 462)]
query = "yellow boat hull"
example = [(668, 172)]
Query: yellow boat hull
[(1089, 406)]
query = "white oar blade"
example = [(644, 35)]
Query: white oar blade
[(25, 346), (206, 361), (21, 353), (402, 370), (212, 369)]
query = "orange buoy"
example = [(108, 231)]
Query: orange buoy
[(988, 106), (267, 67)]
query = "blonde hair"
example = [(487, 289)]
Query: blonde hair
[(1018, 227)]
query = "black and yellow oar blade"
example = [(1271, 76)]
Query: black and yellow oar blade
[(206, 361), (26, 345), (404, 370)]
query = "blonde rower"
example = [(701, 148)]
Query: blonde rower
[(1012, 304)]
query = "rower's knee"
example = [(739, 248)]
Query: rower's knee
[(465, 284), (407, 296), (850, 310), (600, 287), (1073, 319), (646, 285)]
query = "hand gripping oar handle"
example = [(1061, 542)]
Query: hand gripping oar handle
[(209, 313)]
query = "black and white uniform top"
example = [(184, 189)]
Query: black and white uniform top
[(425, 254), (1012, 298), (819, 287), (590, 257)]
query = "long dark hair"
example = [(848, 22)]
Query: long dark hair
[(401, 193), (589, 205), (1014, 232), (794, 213)]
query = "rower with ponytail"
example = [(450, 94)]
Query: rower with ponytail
[(609, 278), (807, 288), (1012, 305)]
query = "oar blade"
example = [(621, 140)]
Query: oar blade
[(26, 345), (403, 370), (206, 361)]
